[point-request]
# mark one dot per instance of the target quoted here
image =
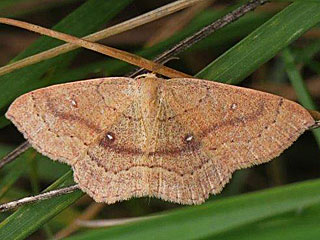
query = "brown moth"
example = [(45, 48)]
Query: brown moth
[(179, 140)]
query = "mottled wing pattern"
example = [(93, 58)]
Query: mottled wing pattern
[(179, 139), (121, 167), (203, 131), (125, 162), (61, 121), (234, 127), (112, 170)]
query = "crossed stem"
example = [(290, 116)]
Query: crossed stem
[(147, 64)]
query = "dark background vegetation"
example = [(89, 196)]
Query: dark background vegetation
[(31, 173)]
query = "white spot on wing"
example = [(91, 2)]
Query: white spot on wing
[(109, 136), (74, 103), (233, 106), (189, 138)]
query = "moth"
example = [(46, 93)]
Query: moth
[(179, 139)]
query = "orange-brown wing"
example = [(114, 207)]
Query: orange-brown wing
[(203, 131), (233, 127), (61, 121)]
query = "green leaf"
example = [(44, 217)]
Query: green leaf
[(8, 3), (299, 86), (113, 67), (216, 217), (298, 225), (308, 52), (29, 218), (79, 23), (263, 44), (297, 81), (226, 35), (11, 8), (50, 170), (12, 172)]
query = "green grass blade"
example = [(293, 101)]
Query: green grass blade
[(51, 170), (8, 3), (297, 81), (211, 218), (11, 8), (12, 173), (298, 225), (299, 86), (236, 30), (308, 52), (216, 217), (29, 218), (263, 44), (84, 20), (226, 35)]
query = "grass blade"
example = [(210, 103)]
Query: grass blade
[(81, 22), (216, 217), (298, 225), (11, 8), (297, 81), (299, 86), (263, 44), (28, 219)]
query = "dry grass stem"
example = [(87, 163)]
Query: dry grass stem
[(109, 51), (116, 29), (111, 222), (89, 213), (206, 31), (54, 193), (14, 154), (177, 22)]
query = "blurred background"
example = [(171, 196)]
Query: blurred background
[(32, 172)]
